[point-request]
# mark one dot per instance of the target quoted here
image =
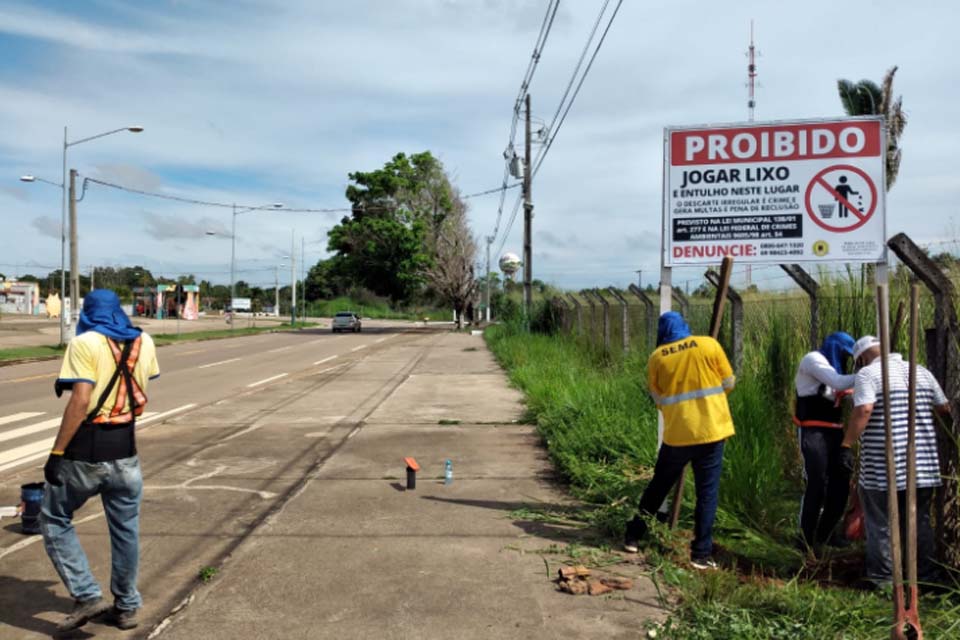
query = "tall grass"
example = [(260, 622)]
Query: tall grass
[(594, 413)]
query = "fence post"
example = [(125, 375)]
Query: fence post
[(736, 318), (605, 305), (560, 306), (681, 299), (624, 319), (943, 360), (579, 308), (593, 312), (812, 288), (651, 316)]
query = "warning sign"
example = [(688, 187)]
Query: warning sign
[(841, 198), (807, 191)]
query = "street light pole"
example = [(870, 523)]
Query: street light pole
[(233, 247), (74, 258), (293, 279), (74, 276), (233, 255), (63, 245)]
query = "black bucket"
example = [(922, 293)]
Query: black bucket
[(32, 495)]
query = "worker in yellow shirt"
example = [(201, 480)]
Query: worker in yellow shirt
[(689, 378), (106, 369)]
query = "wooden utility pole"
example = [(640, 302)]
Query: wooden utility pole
[(527, 217)]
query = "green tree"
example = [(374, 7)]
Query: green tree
[(381, 245), (866, 98)]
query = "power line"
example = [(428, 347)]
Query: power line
[(541, 41), (576, 69), (553, 134), (230, 205), (207, 203)]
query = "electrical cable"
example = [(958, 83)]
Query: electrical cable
[(553, 134)]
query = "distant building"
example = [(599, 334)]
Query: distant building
[(20, 297)]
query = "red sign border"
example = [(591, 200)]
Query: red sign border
[(844, 167)]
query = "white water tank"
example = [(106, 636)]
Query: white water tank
[(510, 263)]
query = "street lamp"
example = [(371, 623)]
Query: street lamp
[(233, 241), (74, 274)]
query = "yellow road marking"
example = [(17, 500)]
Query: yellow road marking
[(28, 378), (187, 353)]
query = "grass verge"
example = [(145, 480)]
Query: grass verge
[(30, 353), (47, 352), (600, 428)]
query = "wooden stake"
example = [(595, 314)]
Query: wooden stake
[(726, 269), (911, 614), (893, 512)]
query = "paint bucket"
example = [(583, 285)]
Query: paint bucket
[(32, 495)]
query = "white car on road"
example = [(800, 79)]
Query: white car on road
[(346, 321)]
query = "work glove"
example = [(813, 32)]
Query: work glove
[(847, 460), (51, 470)]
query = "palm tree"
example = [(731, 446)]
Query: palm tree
[(865, 98)]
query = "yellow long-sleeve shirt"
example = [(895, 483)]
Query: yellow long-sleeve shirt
[(689, 380)]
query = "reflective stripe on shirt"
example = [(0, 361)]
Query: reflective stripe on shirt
[(689, 395)]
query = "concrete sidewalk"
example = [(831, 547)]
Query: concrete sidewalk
[(354, 555)]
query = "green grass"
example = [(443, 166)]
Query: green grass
[(600, 427), (218, 334), (375, 308), (26, 353)]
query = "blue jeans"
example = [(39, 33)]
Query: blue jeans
[(707, 463), (879, 564), (120, 485)]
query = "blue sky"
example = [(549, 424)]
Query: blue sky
[(256, 102)]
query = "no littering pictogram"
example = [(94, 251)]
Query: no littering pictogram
[(841, 198)]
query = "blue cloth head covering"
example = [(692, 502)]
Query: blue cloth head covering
[(672, 327), (102, 313), (835, 346)]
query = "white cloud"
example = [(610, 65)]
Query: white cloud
[(262, 101)]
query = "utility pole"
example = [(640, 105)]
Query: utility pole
[(293, 279), (303, 278), (74, 268), (276, 290), (640, 279), (527, 218), (490, 240), (93, 275)]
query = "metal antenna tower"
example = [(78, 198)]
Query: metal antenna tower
[(751, 108)]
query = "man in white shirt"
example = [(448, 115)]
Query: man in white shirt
[(820, 384), (867, 420)]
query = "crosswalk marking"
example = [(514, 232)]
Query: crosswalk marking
[(13, 434), (27, 452), (23, 415)]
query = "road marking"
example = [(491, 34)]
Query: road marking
[(28, 452), (363, 346), (266, 380), (324, 360), (24, 415), (217, 364), (329, 369), (28, 378), (27, 430), (166, 414), (34, 539), (36, 450), (187, 353), (287, 348)]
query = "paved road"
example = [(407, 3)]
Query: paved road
[(192, 374), (275, 462)]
